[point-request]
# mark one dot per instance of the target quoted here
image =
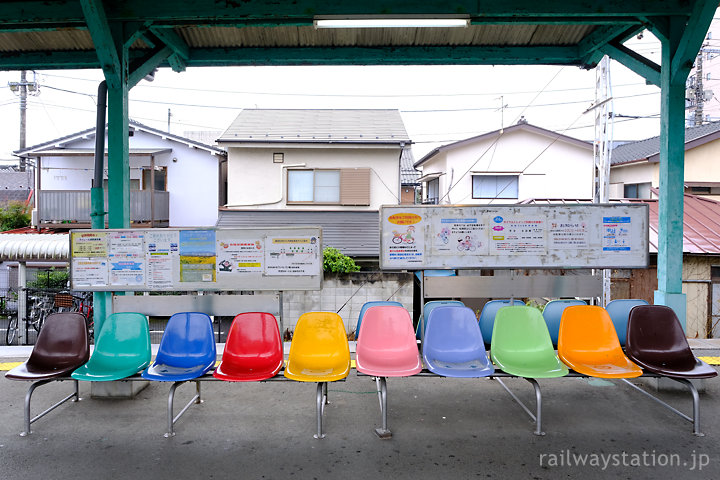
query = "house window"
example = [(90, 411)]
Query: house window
[(278, 157), (636, 190), (495, 186), (160, 179), (433, 191), (347, 186)]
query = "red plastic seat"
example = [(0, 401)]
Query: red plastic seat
[(253, 350)]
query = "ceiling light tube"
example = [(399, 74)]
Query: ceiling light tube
[(391, 22)]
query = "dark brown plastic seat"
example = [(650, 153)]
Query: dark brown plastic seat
[(656, 342), (62, 346)]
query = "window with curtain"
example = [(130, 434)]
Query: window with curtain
[(346, 186)]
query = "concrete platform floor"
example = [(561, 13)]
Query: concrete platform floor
[(443, 429)]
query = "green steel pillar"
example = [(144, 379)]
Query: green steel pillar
[(119, 148), (672, 167)]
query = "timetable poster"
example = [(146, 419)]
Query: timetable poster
[(292, 256)]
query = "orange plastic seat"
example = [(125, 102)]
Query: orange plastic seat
[(319, 352), (253, 350), (588, 343)]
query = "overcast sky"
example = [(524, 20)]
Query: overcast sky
[(439, 104)]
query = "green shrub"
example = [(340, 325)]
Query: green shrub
[(336, 262), (50, 279), (14, 215)]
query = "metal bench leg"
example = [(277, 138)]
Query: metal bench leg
[(537, 417), (695, 420), (28, 397), (383, 432), (321, 398), (197, 399)]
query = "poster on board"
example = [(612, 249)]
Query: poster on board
[(292, 255), (418, 237), (224, 259), (197, 256)]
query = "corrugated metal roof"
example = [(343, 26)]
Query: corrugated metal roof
[(355, 233), (26, 247), (649, 149), (317, 126), (408, 174), (701, 222)]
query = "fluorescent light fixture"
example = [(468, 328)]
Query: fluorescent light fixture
[(392, 22)]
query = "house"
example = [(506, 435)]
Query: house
[(508, 165), (174, 181), (332, 168), (409, 176), (635, 166), (15, 186)]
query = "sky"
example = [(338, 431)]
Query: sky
[(438, 104)]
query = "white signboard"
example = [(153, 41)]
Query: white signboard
[(514, 236), (197, 259)]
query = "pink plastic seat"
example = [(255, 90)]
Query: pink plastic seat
[(387, 348), (253, 350), (390, 349)]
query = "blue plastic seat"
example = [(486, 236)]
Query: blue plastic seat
[(366, 305), (429, 307), (552, 313), (454, 346), (619, 311), (186, 351), (487, 316)]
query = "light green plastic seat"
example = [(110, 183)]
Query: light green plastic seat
[(122, 349), (521, 344)]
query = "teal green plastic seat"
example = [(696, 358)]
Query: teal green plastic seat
[(122, 349), (521, 344)]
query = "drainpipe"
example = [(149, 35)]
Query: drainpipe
[(97, 198)]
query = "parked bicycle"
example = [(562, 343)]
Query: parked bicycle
[(43, 304)]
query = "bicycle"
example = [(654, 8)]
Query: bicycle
[(12, 330)]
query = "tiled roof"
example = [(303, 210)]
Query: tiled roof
[(408, 174), (649, 149), (317, 126), (701, 222)]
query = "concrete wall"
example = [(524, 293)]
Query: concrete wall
[(339, 289), (254, 181)]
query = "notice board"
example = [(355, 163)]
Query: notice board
[(418, 237), (171, 259)]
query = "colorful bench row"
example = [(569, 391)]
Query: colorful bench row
[(319, 352)]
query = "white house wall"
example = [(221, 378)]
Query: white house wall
[(192, 180), (254, 181), (549, 170)]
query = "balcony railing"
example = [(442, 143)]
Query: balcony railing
[(430, 201), (72, 207)]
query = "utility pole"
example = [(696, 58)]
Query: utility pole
[(602, 148), (22, 88), (699, 90)]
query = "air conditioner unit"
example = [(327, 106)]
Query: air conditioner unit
[(708, 95)]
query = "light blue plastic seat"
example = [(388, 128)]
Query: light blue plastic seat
[(429, 307), (552, 313), (366, 305), (453, 345), (619, 311), (186, 350), (487, 316)]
